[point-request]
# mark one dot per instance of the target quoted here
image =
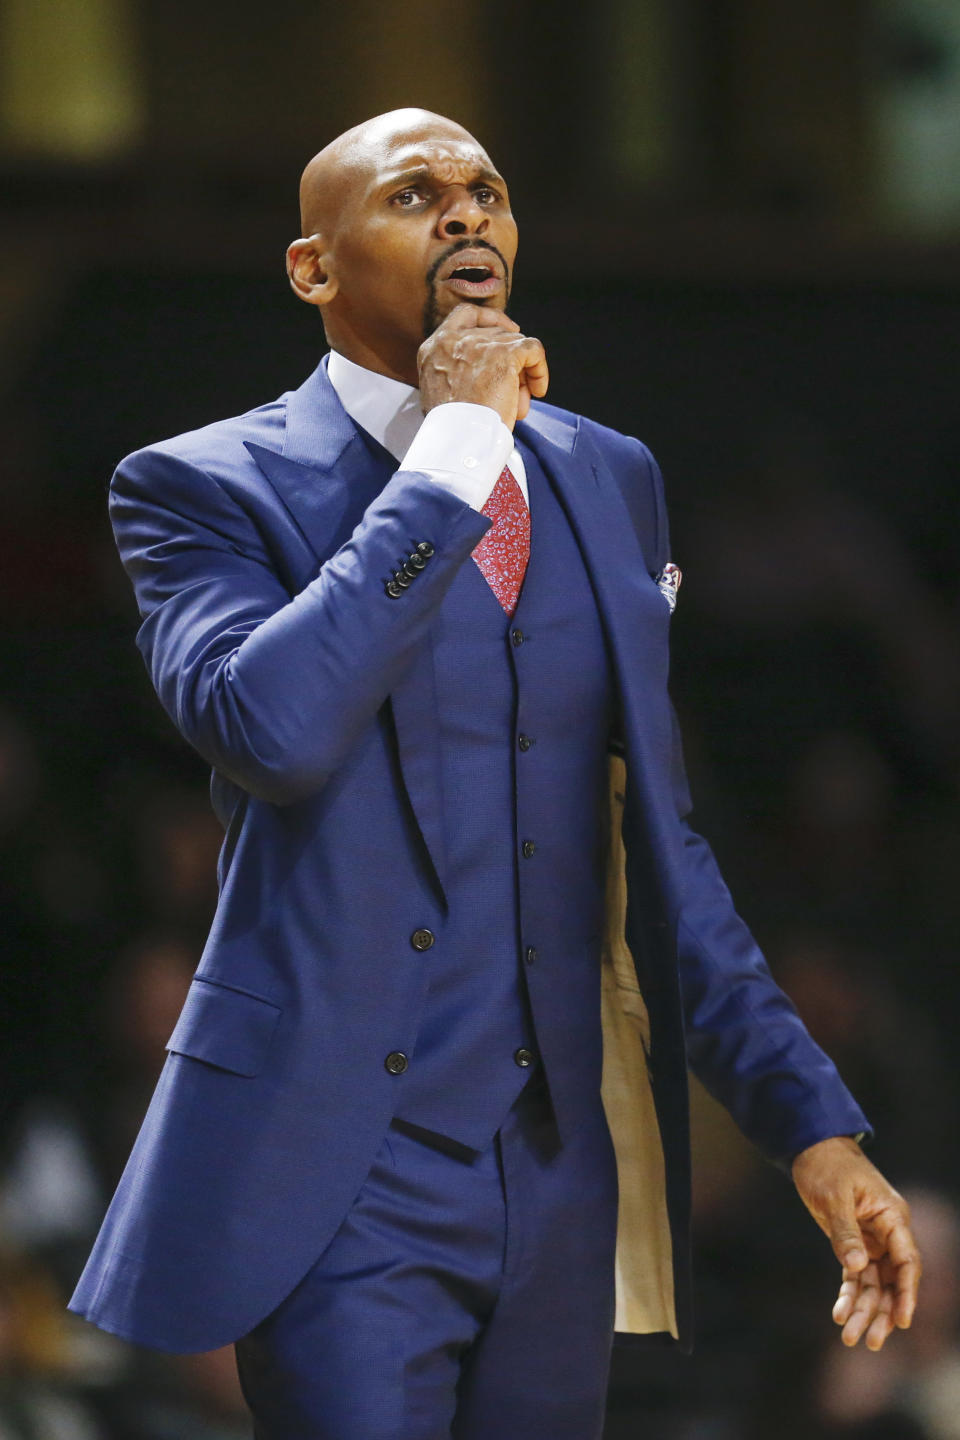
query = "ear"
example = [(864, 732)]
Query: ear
[(308, 270)]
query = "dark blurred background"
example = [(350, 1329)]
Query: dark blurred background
[(740, 226)]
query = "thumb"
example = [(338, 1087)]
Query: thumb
[(846, 1239)]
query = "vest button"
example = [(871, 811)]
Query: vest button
[(528, 848), (524, 1058), (422, 939), (524, 742), (396, 1062), (530, 954), (516, 636)]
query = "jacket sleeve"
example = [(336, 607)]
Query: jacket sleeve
[(272, 690), (745, 1040)]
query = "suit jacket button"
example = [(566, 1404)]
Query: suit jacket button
[(411, 570), (422, 939), (516, 636), (393, 589), (524, 1057), (425, 549), (524, 742), (528, 848), (400, 579), (417, 560), (530, 954), (396, 1062)]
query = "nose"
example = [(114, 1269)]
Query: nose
[(461, 215)]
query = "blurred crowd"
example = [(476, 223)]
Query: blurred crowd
[(816, 671), (108, 852)]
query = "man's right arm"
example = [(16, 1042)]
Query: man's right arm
[(273, 690)]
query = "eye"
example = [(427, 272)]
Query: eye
[(485, 196), (406, 199)]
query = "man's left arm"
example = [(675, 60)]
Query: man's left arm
[(748, 1045)]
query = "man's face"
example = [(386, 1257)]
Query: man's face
[(425, 224)]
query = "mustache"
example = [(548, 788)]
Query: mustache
[(467, 244)]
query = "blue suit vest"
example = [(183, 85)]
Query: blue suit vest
[(524, 713)]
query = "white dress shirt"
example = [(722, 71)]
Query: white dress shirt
[(459, 445)]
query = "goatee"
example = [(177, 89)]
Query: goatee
[(431, 309)]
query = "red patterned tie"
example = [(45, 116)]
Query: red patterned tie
[(503, 552)]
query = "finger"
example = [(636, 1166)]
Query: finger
[(845, 1236), (461, 317), (845, 1301), (905, 1299), (519, 351), (882, 1326), (865, 1307), (531, 359), (867, 1293), (526, 356), (895, 1240), (537, 375), (487, 316), (467, 316), (904, 1255)]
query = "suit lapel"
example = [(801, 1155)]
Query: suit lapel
[(634, 614), (326, 478)]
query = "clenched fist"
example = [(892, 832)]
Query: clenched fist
[(480, 356)]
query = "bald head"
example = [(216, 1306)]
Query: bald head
[(385, 209), (342, 169)]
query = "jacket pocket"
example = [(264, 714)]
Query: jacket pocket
[(231, 1029)]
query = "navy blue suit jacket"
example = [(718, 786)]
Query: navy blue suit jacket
[(259, 549)]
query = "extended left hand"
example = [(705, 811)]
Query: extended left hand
[(869, 1227)]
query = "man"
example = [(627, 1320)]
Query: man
[(378, 1158)]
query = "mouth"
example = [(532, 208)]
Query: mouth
[(474, 274)]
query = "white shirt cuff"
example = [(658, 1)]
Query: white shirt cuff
[(463, 447)]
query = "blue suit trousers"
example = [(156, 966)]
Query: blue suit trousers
[(466, 1295)]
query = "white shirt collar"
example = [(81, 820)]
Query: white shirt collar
[(390, 412), (387, 409)]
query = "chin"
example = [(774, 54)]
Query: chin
[(438, 307)]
